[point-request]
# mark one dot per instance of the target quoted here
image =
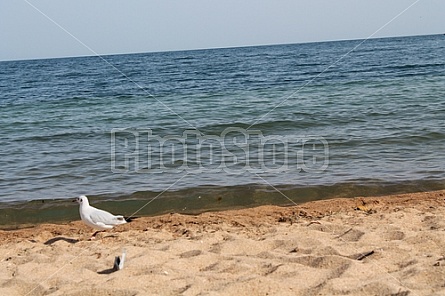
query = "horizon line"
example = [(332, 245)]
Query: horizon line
[(211, 48)]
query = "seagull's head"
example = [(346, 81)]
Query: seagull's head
[(81, 200)]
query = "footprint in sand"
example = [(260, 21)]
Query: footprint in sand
[(433, 222), (394, 235), (344, 233), (351, 235), (323, 262), (191, 253)]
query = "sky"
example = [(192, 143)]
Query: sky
[(31, 29)]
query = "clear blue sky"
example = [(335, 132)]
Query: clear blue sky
[(112, 26)]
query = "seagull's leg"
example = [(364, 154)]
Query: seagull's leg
[(93, 237)]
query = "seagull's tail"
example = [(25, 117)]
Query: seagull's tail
[(130, 219), (120, 219)]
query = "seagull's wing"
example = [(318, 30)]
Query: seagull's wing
[(101, 225), (103, 218)]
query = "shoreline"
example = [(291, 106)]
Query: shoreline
[(311, 209), (193, 201), (359, 246)]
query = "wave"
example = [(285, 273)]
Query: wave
[(277, 126)]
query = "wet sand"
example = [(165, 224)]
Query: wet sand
[(391, 245)]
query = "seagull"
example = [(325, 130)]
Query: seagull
[(95, 218)]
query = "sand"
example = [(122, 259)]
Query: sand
[(392, 245)]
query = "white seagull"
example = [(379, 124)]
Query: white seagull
[(95, 218)]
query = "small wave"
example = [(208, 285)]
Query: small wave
[(61, 136), (276, 126)]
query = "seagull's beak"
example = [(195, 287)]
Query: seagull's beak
[(74, 200)]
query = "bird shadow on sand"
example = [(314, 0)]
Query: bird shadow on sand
[(61, 238)]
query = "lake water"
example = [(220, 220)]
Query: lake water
[(230, 127)]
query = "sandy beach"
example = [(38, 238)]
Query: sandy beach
[(391, 245)]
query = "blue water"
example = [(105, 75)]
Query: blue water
[(350, 113)]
